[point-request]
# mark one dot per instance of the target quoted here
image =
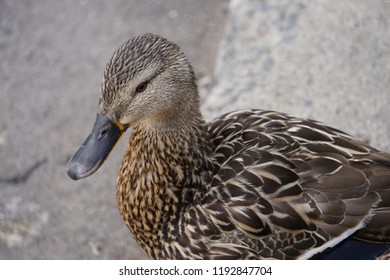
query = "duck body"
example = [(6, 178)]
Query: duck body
[(251, 184), (263, 189)]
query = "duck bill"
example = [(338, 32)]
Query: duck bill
[(96, 148)]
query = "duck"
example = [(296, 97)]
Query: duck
[(250, 184)]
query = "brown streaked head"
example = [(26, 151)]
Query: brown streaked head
[(148, 81)]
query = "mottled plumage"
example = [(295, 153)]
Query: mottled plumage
[(251, 184)]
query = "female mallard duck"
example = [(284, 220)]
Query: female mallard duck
[(251, 184)]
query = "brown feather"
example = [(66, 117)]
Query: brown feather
[(251, 184)]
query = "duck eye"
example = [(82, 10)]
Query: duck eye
[(141, 87)]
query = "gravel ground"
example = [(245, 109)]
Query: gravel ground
[(322, 59), (52, 57)]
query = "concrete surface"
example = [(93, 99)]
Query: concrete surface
[(326, 60), (52, 57), (322, 59)]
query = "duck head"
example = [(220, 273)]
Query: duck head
[(148, 82)]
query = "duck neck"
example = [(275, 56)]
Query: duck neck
[(163, 172)]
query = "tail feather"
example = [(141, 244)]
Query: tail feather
[(378, 174)]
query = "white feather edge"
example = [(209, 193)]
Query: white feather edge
[(337, 239)]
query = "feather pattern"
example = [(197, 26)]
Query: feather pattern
[(251, 184), (271, 193)]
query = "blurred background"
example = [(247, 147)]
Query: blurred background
[(321, 59)]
